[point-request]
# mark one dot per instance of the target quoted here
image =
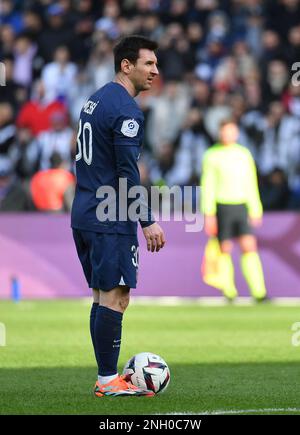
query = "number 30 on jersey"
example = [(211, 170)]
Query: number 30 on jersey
[(85, 143)]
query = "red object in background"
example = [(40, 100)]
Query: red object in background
[(37, 117), (48, 188)]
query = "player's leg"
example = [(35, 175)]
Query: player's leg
[(225, 234), (95, 253), (116, 299), (110, 272), (227, 269), (82, 243), (96, 298), (251, 266), (108, 330)]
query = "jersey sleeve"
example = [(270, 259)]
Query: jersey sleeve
[(208, 185), (128, 127), (127, 141), (254, 204)]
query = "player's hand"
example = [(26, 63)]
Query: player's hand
[(210, 225), (256, 222), (155, 237)]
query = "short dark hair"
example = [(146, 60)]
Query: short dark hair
[(56, 160), (227, 121), (129, 47)]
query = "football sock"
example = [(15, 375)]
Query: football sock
[(92, 323), (253, 273), (108, 331), (106, 379), (227, 275)]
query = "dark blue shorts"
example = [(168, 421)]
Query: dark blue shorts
[(108, 260)]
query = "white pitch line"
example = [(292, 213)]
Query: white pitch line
[(238, 411), (177, 300), (203, 301), (209, 301)]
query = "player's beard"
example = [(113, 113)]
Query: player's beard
[(143, 86), (148, 84)]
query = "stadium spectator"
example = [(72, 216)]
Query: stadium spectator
[(282, 15), (226, 76), (7, 137), (33, 24), (210, 57), (254, 26), (8, 15), (272, 47), (280, 147), (53, 189), (24, 52), (108, 22), (36, 113), (14, 194), (151, 26), (59, 76), (57, 139), (28, 154), (293, 52), (56, 33), (83, 86), (161, 168), (7, 40), (276, 81), (101, 65), (176, 56), (225, 58), (200, 94), (291, 100), (163, 127), (274, 190), (12, 93), (193, 142), (217, 111)]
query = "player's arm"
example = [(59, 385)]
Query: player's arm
[(254, 204), (127, 147), (208, 195)]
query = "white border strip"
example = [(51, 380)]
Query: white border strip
[(239, 411), (218, 301), (209, 301)]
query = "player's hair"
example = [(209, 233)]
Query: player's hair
[(56, 160), (227, 121), (129, 47)]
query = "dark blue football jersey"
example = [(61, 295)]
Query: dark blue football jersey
[(109, 140)]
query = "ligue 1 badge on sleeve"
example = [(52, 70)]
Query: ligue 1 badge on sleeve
[(130, 128)]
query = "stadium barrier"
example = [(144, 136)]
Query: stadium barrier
[(37, 250)]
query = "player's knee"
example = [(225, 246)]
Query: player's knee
[(226, 246), (124, 298), (118, 299), (124, 302), (248, 244)]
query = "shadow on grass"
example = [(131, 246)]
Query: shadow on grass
[(193, 388)]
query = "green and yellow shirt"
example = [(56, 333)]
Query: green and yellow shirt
[(229, 177)]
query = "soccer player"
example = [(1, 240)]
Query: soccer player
[(109, 142), (231, 206)]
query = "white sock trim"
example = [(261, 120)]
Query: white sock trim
[(106, 379)]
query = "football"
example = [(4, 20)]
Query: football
[(148, 371)]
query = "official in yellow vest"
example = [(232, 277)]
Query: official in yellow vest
[(231, 206)]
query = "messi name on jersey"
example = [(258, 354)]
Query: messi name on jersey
[(90, 106)]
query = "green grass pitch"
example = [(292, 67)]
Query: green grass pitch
[(230, 358)]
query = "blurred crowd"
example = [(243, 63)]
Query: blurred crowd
[(217, 59)]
